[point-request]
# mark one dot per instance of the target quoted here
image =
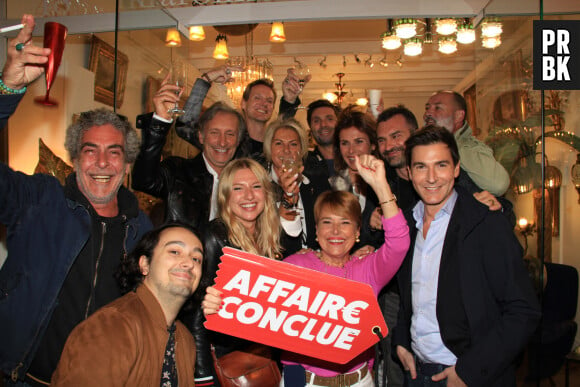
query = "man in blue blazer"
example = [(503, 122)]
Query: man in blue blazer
[(467, 306)]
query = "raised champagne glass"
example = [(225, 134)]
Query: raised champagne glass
[(178, 78), (54, 38)]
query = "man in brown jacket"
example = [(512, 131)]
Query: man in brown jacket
[(135, 340)]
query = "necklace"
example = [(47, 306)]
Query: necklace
[(327, 265)]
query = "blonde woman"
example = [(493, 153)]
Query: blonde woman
[(247, 220), (285, 150)]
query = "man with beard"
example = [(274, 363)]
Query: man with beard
[(135, 340), (64, 242), (322, 117), (448, 109)]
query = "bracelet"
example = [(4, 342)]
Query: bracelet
[(393, 199), (5, 90), (205, 77)]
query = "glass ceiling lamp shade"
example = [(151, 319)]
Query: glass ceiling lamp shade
[(491, 28), (575, 172), (172, 39), (446, 26), (405, 28), (465, 34), (413, 47), (277, 35), (331, 97), (447, 45), (491, 42), (196, 33), (221, 48), (526, 175), (390, 41)]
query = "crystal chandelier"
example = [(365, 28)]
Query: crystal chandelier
[(253, 69)]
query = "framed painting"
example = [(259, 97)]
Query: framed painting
[(102, 63)]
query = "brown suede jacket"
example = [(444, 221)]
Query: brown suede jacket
[(122, 344)]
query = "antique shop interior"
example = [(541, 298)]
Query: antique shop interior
[(117, 53)]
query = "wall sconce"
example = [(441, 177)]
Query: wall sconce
[(465, 33), (526, 229), (446, 26), (172, 39), (221, 47), (491, 42), (575, 172), (491, 28), (447, 45), (405, 28), (413, 47), (196, 33), (277, 35)]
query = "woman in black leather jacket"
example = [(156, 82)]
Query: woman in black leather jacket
[(247, 220), (285, 150)]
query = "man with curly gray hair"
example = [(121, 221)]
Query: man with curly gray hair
[(65, 242)]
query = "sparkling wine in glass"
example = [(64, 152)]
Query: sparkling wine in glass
[(177, 78), (54, 38), (302, 71)]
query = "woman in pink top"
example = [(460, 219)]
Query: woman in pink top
[(338, 219)]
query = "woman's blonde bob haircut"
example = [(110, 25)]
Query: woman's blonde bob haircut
[(266, 240), (291, 124)]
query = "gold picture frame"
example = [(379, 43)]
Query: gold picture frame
[(102, 63)]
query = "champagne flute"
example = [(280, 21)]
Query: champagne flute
[(54, 38), (302, 71), (177, 78)]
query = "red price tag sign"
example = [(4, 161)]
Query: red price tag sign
[(295, 309)]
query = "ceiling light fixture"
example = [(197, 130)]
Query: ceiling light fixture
[(221, 47), (466, 33), (447, 45), (491, 42), (330, 97), (413, 47), (340, 93), (383, 62), (491, 28), (196, 33), (369, 62), (172, 39), (406, 28), (390, 41), (428, 38), (362, 101), (399, 62), (277, 35), (446, 26)]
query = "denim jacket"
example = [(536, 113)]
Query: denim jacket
[(46, 232)]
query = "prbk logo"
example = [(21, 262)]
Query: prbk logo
[(556, 54)]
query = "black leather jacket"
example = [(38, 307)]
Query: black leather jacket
[(184, 184), (215, 238)]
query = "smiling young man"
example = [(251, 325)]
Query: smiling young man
[(467, 305), (188, 186), (135, 340), (65, 242)]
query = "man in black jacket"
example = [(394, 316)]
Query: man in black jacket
[(188, 186), (467, 305)]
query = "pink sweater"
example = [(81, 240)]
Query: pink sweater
[(375, 269)]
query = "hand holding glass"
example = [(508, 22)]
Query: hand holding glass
[(177, 78), (54, 38)]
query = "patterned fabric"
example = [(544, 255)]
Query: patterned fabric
[(169, 370)]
